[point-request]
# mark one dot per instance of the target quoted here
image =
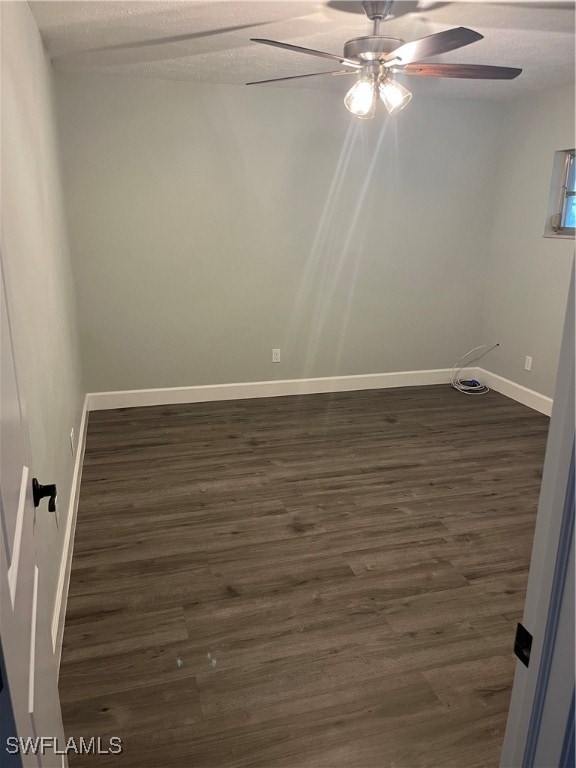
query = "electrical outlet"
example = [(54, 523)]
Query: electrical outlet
[(275, 355), (72, 441), (528, 363)]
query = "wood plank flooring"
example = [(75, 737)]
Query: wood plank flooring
[(325, 581)]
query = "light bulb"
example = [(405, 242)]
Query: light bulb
[(361, 99), (394, 96)]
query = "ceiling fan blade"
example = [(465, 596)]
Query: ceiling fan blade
[(297, 77), (441, 42), (471, 71), (309, 51)]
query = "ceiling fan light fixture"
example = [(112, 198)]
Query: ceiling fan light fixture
[(394, 95), (376, 57), (361, 98)]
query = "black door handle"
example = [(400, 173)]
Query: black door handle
[(41, 491)]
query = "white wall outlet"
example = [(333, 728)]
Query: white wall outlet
[(528, 363), (72, 448), (275, 355)]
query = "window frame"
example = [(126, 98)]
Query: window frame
[(564, 161)]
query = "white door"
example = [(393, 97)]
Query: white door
[(30, 665), (541, 708)]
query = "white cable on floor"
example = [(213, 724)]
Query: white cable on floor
[(469, 386)]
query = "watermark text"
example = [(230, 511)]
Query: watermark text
[(44, 745)]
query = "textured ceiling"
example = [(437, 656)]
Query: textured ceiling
[(208, 41)]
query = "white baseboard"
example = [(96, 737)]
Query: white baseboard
[(101, 401), (517, 392), (59, 611), (134, 398)]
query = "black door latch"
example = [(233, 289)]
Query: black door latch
[(41, 491), (523, 644)]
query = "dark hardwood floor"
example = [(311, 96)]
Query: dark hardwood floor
[(325, 581)]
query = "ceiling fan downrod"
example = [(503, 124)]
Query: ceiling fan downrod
[(377, 12)]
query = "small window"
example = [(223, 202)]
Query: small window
[(561, 220), (568, 214)]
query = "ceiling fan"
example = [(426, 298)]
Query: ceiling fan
[(376, 59)]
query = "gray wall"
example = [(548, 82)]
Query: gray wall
[(35, 258), (528, 275), (210, 224)]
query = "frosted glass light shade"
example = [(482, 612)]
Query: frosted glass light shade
[(394, 96), (361, 99)]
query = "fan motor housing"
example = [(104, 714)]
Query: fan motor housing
[(371, 47), (377, 10)]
